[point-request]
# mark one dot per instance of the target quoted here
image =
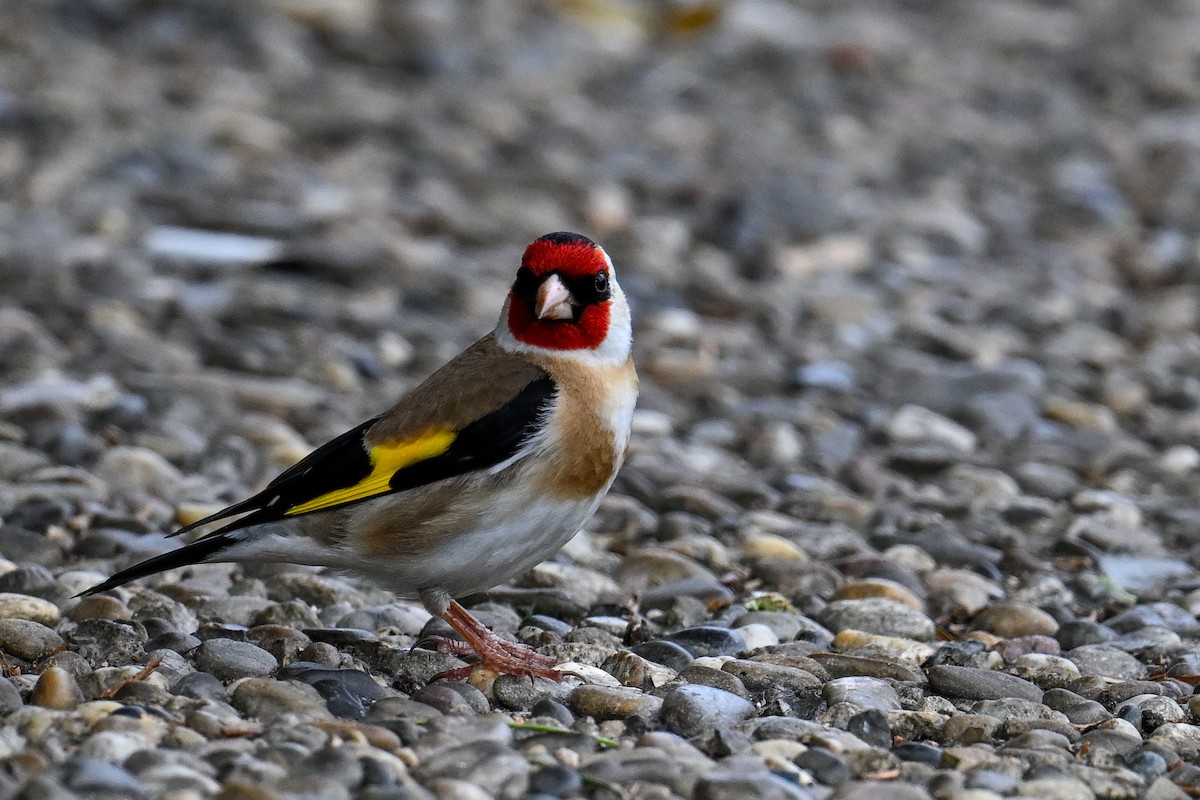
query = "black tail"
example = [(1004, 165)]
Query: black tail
[(194, 553)]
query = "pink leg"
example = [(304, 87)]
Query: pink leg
[(494, 653)]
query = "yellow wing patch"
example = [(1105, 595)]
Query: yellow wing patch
[(386, 460)]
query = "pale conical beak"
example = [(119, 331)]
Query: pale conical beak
[(554, 300)]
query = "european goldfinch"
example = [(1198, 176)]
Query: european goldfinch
[(481, 472)]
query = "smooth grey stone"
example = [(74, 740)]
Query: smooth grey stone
[(872, 727), (493, 766), (877, 615), (707, 676), (729, 783), (870, 790), (201, 686), (230, 660), (1079, 710), (520, 693), (1106, 661), (980, 684), (826, 767), (1077, 633), (28, 640), (90, 775), (694, 710), (1154, 615), (708, 640), (555, 780), (109, 641), (863, 692), (444, 698), (348, 693), (10, 697)]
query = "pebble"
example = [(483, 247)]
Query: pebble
[(1011, 620), (967, 729), (878, 616), (708, 641), (1077, 633), (693, 710), (1179, 737), (1106, 661), (348, 693), (603, 702), (1079, 710), (980, 684), (35, 609), (28, 640), (914, 424), (840, 666), (92, 776), (869, 644), (863, 692), (267, 700), (731, 783), (879, 588), (1048, 672), (56, 688), (229, 660), (770, 545)]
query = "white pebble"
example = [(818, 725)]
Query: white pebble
[(757, 635), (915, 424)]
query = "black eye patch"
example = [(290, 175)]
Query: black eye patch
[(590, 289), (526, 283), (587, 290)]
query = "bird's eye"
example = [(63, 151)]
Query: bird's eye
[(601, 282)]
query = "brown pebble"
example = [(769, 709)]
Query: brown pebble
[(247, 791), (56, 688), (608, 702), (375, 735), (879, 587), (23, 606), (1010, 620), (99, 607)]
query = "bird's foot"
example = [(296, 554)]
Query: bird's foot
[(491, 651)]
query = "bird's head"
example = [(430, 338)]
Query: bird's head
[(566, 300)]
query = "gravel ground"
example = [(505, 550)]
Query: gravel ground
[(910, 509)]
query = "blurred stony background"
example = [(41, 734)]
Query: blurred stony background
[(911, 506)]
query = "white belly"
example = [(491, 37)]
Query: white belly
[(507, 542)]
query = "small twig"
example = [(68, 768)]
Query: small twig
[(542, 727), (143, 673)]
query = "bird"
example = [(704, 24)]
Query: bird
[(486, 468)]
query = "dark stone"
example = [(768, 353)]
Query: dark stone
[(91, 776), (1079, 632), (826, 768), (663, 652), (708, 640), (548, 707), (872, 727), (18, 544), (555, 781), (959, 654), (918, 752), (1146, 763), (10, 698), (30, 579), (348, 693), (173, 640), (200, 686), (980, 684)]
